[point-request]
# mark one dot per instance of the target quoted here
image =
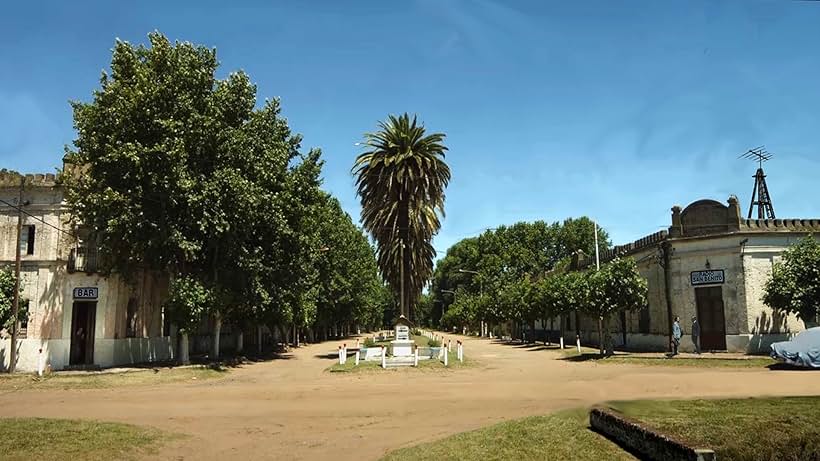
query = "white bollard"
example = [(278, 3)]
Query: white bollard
[(341, 362), (449, 345), (562, 343), (384, 358), (357, 357), (578, 343), (41, 363), (416, 357), (344, 354), (446, 357)]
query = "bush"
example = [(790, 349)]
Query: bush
[(369, 342), (415, 332), (433, 343)]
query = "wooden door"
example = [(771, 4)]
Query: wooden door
[(711, 317), (83, 322)]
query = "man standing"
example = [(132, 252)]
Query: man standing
[(677, 333), (696, 334)]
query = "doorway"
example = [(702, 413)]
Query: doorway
[(711, 317), (83, 320)]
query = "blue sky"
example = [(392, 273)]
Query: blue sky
[(616, 110)]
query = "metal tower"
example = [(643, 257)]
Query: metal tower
[(760, 193)]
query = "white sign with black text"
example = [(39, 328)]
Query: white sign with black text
[(86, 293), (707, 277)]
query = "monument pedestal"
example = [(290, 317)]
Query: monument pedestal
[(402, 348), (402, 345)]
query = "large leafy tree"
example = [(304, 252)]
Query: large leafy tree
[(348, 282), (617, 287), (179, 172), (795, 283), (401, 178)]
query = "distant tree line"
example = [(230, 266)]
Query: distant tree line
[(518, 275)]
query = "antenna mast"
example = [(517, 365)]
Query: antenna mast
[(760, 193)]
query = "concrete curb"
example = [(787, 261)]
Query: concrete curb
[(643, 441)]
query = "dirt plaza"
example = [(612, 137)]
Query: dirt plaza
[(291, 408)]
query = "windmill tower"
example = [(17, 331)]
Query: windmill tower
[(760, 193)]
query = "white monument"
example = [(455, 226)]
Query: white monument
[(402, 345)]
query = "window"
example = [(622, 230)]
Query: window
[(22, 331), (131, 318), (27, 240)]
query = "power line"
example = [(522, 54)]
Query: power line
[(21, 210)]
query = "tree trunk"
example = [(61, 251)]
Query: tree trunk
[(561, 329), (240, 342), (259, 339), (608, 348), (601, 335), (284, 335), (217, 333), (184, 356)]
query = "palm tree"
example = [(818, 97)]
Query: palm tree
[(401, 178)]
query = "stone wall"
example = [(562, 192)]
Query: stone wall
[(643, 441)]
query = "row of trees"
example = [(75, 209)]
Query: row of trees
[(600, 294), (180, 173), (478, 273)]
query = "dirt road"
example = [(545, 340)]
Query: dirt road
[(291, 409)]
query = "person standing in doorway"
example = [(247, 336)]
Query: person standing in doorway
[(696, 334), (677, 333)]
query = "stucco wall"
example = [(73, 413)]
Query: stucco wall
[(107, 352), (746, 260)]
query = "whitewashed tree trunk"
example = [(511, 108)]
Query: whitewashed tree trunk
[(184, 356), (217, 333), (240, 341)]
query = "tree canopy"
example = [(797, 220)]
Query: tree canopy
[(794, 286), (495, 261), (7, 301), (401, 178), (179, 172)]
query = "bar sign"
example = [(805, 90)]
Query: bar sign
[(86, 292)]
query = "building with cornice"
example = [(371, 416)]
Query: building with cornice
[(713, 264), (77, 317)]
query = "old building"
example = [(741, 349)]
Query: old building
[(712, 264), (77, 317)]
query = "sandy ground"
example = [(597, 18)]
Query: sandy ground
[(291, 409)]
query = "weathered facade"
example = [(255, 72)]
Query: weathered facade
[(77, 317), (712, 264)]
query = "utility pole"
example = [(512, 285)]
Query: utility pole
[(598, 268), (597, 259), (15, 307)]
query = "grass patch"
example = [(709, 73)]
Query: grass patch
[(60, 439), (426, 365), (563, 435), (92, 380), (704, 361), (738, 429)]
